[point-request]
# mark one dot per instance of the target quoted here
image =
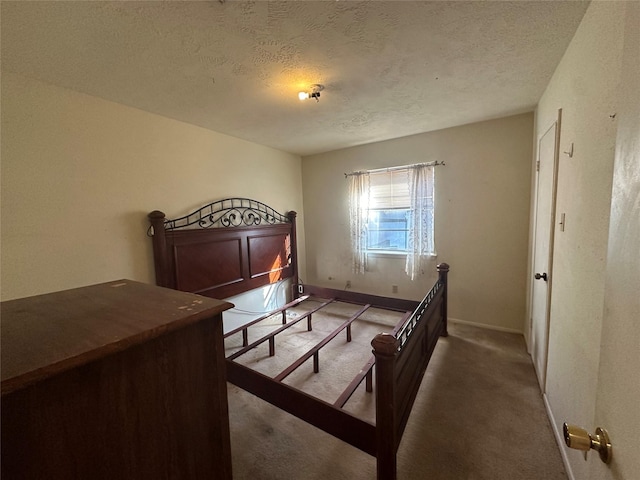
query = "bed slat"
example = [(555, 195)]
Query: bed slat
[(287, 371), (356, 432), (275, 332)]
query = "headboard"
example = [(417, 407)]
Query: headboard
[(224, 248)]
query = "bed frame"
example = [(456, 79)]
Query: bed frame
[(235, 245)]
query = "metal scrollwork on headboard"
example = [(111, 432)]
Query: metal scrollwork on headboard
[(230, 212)]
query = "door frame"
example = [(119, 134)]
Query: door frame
[(542, 375)]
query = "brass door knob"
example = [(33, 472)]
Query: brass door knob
[(580, 439)]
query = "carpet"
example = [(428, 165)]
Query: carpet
[(478, 415)]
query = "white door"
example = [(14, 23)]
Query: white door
[(618, 390), (543, 248)]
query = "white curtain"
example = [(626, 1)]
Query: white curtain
[(358, 218), (421, 245)]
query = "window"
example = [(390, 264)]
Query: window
[(387, 230), (389, 211), (392, 210)]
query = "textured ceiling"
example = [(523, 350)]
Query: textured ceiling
[(390, 68)]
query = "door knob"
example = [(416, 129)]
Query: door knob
[(580, 439), (539, 276)]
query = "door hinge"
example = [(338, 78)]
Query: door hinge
[(538, 166)]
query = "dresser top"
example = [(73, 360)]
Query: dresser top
[(45, 335)]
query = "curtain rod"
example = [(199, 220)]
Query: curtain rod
[(390, 169)]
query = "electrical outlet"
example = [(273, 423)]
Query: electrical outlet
[(300, 289), (348, 285), (394, 288)]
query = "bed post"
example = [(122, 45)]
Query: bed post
[(443, 270), (294, 253), (159, 248), (385, 349)]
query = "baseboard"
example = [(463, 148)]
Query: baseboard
[(559, 438), (484, 325)]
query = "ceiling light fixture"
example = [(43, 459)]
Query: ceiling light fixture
[(316, 88)]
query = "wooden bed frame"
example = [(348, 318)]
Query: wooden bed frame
[(235, 245)]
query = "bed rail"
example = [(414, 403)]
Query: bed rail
[(401, 361)]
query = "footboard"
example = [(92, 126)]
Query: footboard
[(401, 361)]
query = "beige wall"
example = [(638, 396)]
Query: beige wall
[(80, 174), (585, 86), (482, 215)]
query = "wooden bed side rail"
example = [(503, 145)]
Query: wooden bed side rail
[(411, 364), (423, 310), (401, 360)]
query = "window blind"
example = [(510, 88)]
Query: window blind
[(390, 189)]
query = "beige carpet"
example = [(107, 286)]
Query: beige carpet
[(479, 413)]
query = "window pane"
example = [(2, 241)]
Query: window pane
[(387, 229)]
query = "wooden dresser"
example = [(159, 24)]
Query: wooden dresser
[(120, 380)]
